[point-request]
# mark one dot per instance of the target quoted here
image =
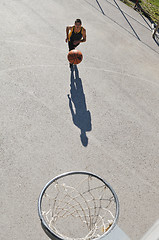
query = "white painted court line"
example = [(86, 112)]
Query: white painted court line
[(116, 234), (153, 232)]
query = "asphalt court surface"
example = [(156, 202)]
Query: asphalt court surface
[(114, 129)]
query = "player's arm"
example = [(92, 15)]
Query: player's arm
[(84, 35), (68, 28)]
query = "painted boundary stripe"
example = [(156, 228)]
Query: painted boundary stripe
[(153, 232), (116, 234)]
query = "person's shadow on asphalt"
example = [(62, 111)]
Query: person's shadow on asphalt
[(80, 115)]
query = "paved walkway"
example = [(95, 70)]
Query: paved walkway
[(116, 105)]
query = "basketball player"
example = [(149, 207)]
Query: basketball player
[(75, 35)]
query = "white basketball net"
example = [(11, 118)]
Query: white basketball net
[(81, 208)]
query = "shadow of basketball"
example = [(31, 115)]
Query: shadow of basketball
[(80, 115)]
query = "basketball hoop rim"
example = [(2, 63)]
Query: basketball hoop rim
[(46, 228)]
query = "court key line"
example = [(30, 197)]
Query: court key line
[(93, 68)]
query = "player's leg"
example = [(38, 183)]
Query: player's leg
[(71, 46)]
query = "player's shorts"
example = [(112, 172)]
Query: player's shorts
[(72, 46)]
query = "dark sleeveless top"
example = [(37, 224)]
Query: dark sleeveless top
[(76, 35)]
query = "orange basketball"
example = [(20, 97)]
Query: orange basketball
[(75, 56)]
